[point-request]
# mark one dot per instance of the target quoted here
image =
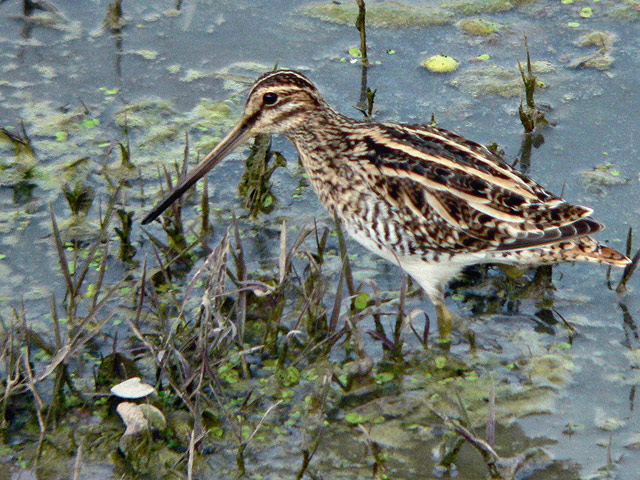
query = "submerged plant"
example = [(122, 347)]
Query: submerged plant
[(79, 197), (18, 174), (127, 250), (255, 184)]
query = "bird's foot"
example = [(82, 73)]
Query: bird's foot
[(447, 321)]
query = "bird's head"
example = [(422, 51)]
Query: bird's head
[(278, 102)]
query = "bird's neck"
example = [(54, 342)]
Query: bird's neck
[(326, 152), (323, 138)]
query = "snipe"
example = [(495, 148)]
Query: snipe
[(421, 197)]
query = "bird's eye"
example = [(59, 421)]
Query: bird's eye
[(270, 98)]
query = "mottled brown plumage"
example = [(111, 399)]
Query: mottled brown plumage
[(424, 198)]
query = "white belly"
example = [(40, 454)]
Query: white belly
[(432, 272)]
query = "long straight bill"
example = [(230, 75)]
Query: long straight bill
[(235, 137)]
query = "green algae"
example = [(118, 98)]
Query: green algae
[(192, 75), (146, 54), (389, 14), (601, 177), (209, 114), (53, 18), (598, 38), (400, 14), (530, 387), (78, 228), (491, 80), (477, 26), (586, 12), (157, 123), (175, 68), (46, 71), (145, 113), (472, 7), (481, 79), (47, 119), (625, 10), (600, 60), (441, 64), (404, 419), (16, 173), (62, 132), (157, 135), (608, 423)]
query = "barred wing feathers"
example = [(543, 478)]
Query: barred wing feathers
[(440, 178)]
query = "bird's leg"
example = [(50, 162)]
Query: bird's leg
[(445, 322), (445, 317)]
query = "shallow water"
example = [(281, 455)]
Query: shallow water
[(52, 64)]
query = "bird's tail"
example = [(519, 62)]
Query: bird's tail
[(583, 249), (587, 249)]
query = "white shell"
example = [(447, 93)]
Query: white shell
[(132, 388)]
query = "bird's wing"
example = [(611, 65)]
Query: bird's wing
[(430, 173)]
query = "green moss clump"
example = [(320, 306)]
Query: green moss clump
[(478, 26)]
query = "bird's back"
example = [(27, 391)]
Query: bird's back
[(416, 190)]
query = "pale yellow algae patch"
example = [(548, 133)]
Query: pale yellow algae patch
[(441, 64)]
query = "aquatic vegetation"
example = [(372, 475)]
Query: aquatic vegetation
[(441, 64), (478, 26), (488, 80), (482, 79), (145, 113), (146, 54), (19, 174), (401, 14), (255, 184), (601, 177), (600, 60), (625, 9), (597, 38), (379, 15)]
